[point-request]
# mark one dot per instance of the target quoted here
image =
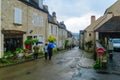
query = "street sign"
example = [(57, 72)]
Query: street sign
[(100, 51)]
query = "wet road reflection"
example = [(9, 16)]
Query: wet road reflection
[(64, 66)]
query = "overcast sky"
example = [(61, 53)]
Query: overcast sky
[(76, 13)]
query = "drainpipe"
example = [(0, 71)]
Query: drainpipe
[(0, 32), (27, 19)]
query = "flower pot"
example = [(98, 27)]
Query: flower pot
[(27, 46), (20, 55)]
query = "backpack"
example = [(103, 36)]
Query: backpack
[(46, 49)]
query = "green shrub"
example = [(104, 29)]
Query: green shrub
[(31, 41), (19, 50), (88, 44), (3, 60), (96, 65), (54, 50), (8, 54)]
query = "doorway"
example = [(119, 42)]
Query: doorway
[(10, 44)]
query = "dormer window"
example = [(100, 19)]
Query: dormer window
[(40, 3), (27, 0)]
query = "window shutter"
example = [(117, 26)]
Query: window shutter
[(17, 16)]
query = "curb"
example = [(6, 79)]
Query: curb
[(108, 72), (88, 67), (26, 61), (20, 62)]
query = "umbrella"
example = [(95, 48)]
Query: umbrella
[(39, 42), (52, 45)]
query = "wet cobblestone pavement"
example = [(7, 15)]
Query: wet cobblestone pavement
[(64, 66), (114, 65)]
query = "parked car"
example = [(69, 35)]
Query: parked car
[(116, 44)]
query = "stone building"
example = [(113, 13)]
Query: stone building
[(62, 34), (22, 19), (28, 19), (95, 30), (52, 26), (105, 27)]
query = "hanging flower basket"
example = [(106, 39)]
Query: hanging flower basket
[(27, 46), (29, 42)]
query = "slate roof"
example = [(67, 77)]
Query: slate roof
[(61, 25), (69, 34), (112, 25), (32, 3)]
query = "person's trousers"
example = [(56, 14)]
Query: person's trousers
[(35, 55), (50, 56), (46, 55)]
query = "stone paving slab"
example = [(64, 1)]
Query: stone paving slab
[(86, 63)]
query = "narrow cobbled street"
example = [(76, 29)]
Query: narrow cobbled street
[(67, 65)]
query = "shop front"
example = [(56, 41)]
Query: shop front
[(12, 39)]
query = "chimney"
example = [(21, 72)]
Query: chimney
[(62, 22), (92, 19), (46, 7), (54, 17)]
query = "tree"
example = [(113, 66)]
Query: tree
[(88, 44), (51, 39)]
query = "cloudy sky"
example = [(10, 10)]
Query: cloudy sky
[(76, 13)]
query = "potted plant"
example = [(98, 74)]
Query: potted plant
[(8, 54), (19, 52)]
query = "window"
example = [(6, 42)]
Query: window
[(52, 30), (35, 37), (56, 30), (49, 30), (37, 20), (41, 38), (17, 16), (40, 22), (60, 43), (41, 4), (89, 34), (60, 32), (29, 37), (27, 0)]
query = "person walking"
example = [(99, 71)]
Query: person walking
[(46, 51), (50, 52), (36, 51), (110, 48)]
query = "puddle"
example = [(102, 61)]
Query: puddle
[(28, 73)]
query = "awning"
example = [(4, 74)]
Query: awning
[(13, 32)]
